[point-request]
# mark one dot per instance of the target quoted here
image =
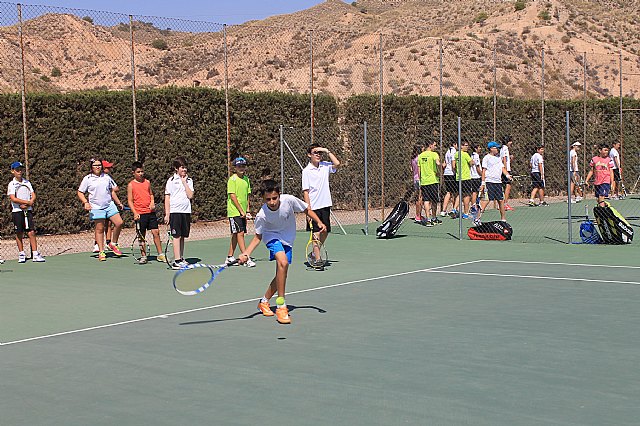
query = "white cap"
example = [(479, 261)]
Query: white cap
[(576, 144)]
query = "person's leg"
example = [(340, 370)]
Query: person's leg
[(117, 222), (32, 240), (232, 245), (156, 240), (99, 236), (445, 202), (418, 203), (465, 203), (108, 231), (503, 216), (507, 193), (541, 193), (19, 236), (182, 247), (177, 248)]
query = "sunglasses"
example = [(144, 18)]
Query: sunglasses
[(96, 165), (316, 152)]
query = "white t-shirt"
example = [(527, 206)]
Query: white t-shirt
[(573, 159), (11, 190), (504, 153), (536, 161), (614, 155), (493, 166), (279, 224), (99, 189), (178, 200), (449, 156), (476, 162), (316, 181)]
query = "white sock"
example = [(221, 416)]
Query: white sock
[(22, 253)]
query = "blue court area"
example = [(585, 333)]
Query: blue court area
[(405, 331)]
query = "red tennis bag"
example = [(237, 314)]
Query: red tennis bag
[(497, 231)]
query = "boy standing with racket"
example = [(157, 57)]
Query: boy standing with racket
[(178, 193), (143, 206), (22, 197), (602, 169), (275, 223), (238, 190)]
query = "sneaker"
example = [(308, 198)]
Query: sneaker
[(1, 261), (37, 257), (265, 309), (473, 210), (573, 201), (532, 204), (250, 263), (427, 222), (183, 263), (115, 249), (508, 208), (282, 315), (161, 258), (142, 260), (443, 213), (96, 249), (544, 204), (436, 221), (176, 265), (22, 258), (578, 199), (476, 221), (102, 256), (615, 197), (417, 219), (453, 214), (229, 260), (465, 216)]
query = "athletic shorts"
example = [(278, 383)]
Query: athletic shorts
[(575, 177), (494, 191), (180, 224), (602, 190), (505, 180), (106, 213), (325, 216), (475, 184), (430, 193), (450, 184), (238, 224), (148, 221), (536, 180), (616, 175), (18, 221), (276, 246), (416, 190), (467, 187)]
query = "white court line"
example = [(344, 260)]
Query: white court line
[(562, 264), (536, 277), (164, 316)]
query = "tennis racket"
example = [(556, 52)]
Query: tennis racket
[(623, 190), (196, 278), (139, 246), (23, 192), (317, 256), (168, 250)]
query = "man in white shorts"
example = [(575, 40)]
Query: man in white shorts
[(537, 177)]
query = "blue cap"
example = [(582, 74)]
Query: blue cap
[(493, 144), (16, 165), (239, 161)]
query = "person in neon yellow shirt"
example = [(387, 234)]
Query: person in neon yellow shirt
[(238, 190), (463, 164), (429, 167)]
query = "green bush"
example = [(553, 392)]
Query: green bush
[(55, 72), (159, 44), (520, 5)]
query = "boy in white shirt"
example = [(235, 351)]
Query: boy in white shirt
[(576, 190), (178, 194), (537, 178), (492, 171), (450, 183), (506, 158), (275, 223), (614, 154)]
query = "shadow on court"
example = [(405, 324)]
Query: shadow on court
[(253, 315)]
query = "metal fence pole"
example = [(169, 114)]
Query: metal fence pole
[(366, 183), (495, 93), (459, 173), (226, 97), (569, 216), (542, 119), (311, 79), (621, 111), (282, 158), (382, 127), (23, 93), (133, 91), (440, 83), (584, 111)]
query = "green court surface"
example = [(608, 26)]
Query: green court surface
[(411, 330)]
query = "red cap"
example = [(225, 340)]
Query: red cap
[(106, 164)]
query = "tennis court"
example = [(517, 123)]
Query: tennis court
[(405, 331)]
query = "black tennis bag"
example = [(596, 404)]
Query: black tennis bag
[(497, 231), (392, 223), (613, 227)]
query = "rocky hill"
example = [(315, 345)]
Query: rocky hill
[(419, 38)]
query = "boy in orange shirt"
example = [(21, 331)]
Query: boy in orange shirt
[(602, 169), (143, 207)]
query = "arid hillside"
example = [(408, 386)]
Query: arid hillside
[(414, 44)]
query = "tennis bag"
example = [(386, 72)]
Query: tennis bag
[(613, 227), (497, 231), (392, 223), (589, 233)]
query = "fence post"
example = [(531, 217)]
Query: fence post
[(569, 216), (621, 111), (366, 183), (226, 97), (440, 83), (382, 126), (584, 111), (459, 173), (542, 119), (311, 79), (23, 92), (495, 92), (282, 158), (133, 91)]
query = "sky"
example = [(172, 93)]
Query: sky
[(218, 11)]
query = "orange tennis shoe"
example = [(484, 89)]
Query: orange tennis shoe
[(282, 315), (265, 309)]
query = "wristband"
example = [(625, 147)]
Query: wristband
[(483, 182)]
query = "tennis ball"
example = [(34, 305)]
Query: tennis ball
[(280, 301)]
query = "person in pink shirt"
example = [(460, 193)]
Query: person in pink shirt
[(602, 170)]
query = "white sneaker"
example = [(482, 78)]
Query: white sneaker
[(578, 198), (250, 263), (183, 263), (37, 257), (229, 260), (443, 214), (1, 261), (573, 201), (143, 260), (22, 258), (96, 249)]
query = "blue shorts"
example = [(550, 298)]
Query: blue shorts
[(494, 191), (602, 190), (276, 246), (112, 210)]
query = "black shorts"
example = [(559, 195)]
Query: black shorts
[(238, 224), (324, 214), (180, 224), (18, 221), (494, 191), (450, 184), (467, 187), (475, 184), (616, 175), (430, 193), (147, 222), (536, 180), (505, 180)]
